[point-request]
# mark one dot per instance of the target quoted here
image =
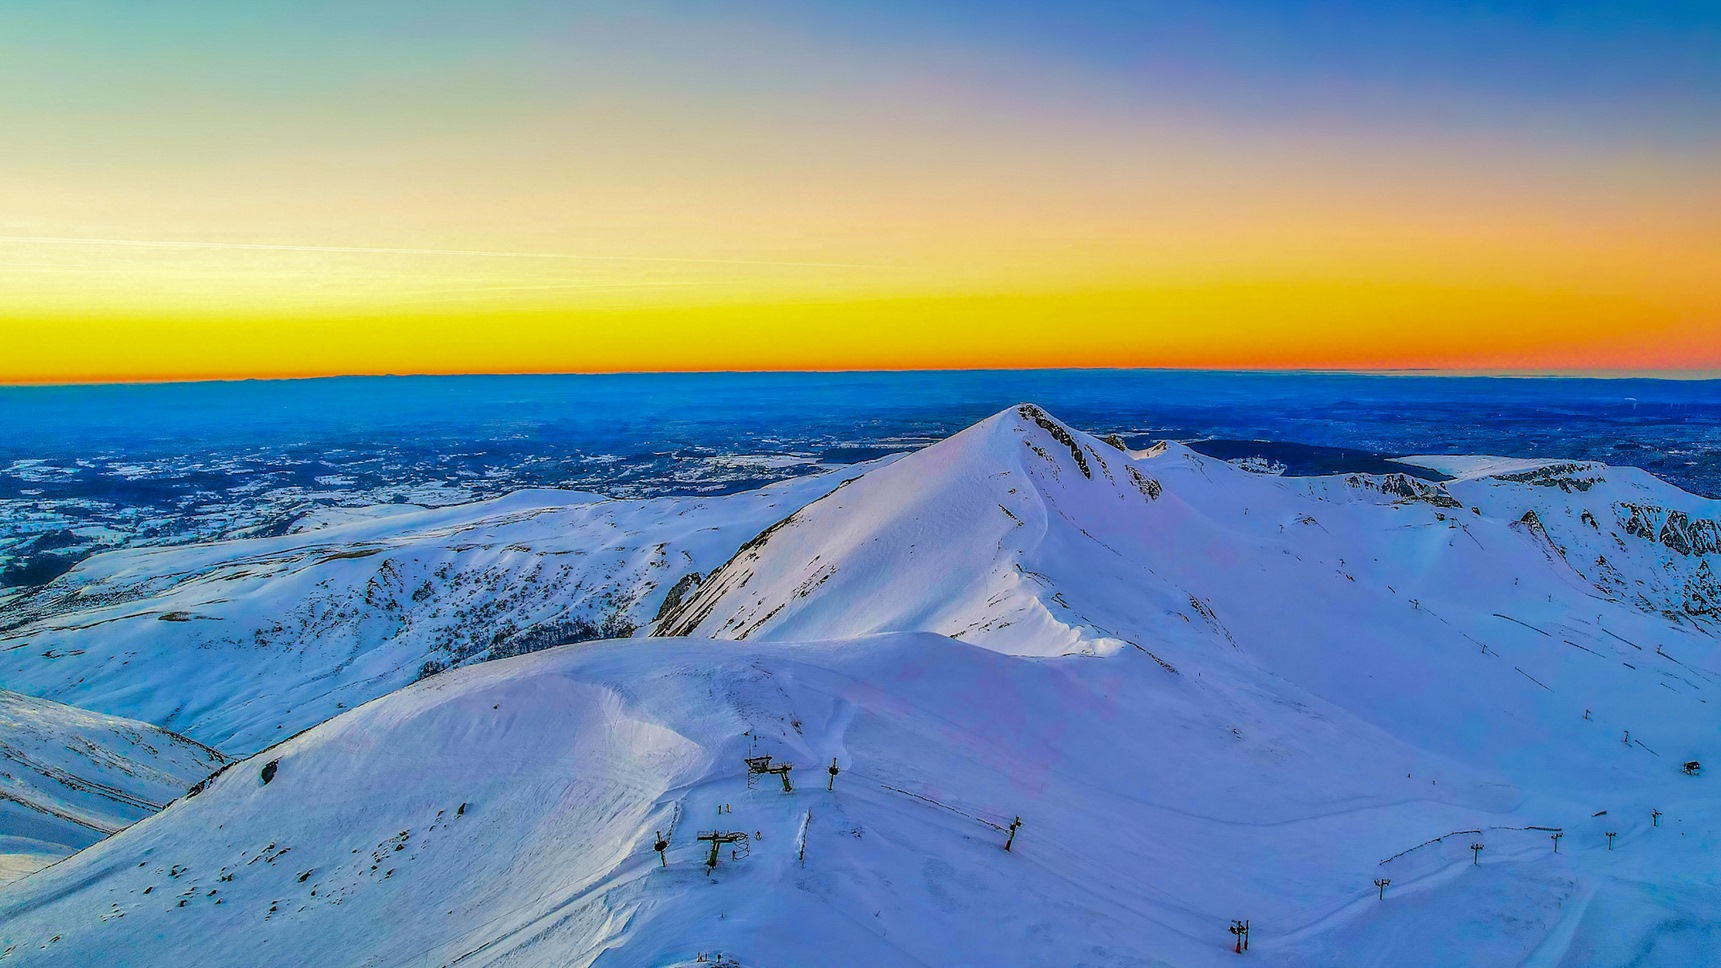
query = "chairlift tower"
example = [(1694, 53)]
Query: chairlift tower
[(1476, 853), (832, 785), (1555, 837), (1012, 838), (717, 838), (1611, 834), (1382, 882), (756, 767), (661, 846)]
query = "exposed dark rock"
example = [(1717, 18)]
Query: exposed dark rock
[(1563, 476), (1405, 488), (1147, 485), (677, 592), (1703, 592), (1641, 521), (734, 573), (1058, 433), (1532, 523), (1688, 537)]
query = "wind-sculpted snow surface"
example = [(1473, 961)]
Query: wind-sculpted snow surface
[(1354, 710), (506, 814), (240, 644), (69, 777)]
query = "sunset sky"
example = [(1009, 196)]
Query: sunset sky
[(221, 189)]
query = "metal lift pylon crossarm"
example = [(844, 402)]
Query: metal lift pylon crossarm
[(717, 838), (760, 765)]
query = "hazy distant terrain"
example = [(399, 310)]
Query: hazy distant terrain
[(80, 473)]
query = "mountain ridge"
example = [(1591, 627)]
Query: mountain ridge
[(1207, 693)]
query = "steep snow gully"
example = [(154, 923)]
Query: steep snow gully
[(1384, 720)]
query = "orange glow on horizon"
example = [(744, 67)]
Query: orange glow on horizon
[(1294, 325), (663, 193)]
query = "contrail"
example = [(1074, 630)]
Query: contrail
[(378, 250)]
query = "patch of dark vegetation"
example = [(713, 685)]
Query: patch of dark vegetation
[(857, 455), (203, 784), (548, 635), (511, 640), (38, 569)]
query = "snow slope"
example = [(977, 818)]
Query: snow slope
[(69, 778), (240, 644), (1209, 694), (505, 815)]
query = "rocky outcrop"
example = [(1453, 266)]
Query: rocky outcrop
[(1403, 487), (1058, 433), (1568, 476), (677, 592), (1146, 485), (1687, 537)]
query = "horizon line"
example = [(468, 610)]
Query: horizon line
[(1551, 373)]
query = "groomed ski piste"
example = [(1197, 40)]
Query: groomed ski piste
[(1209, 695)]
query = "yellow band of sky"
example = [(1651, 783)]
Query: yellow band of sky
[(709, 200)]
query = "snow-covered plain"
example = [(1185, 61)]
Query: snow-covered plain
[(1208, 694)]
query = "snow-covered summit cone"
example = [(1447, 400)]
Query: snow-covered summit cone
[(1030, 537), (968, 538), (1400, 600)]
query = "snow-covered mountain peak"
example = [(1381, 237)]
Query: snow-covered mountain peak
[(946, 539), (1207, 692), (1030, 537)]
